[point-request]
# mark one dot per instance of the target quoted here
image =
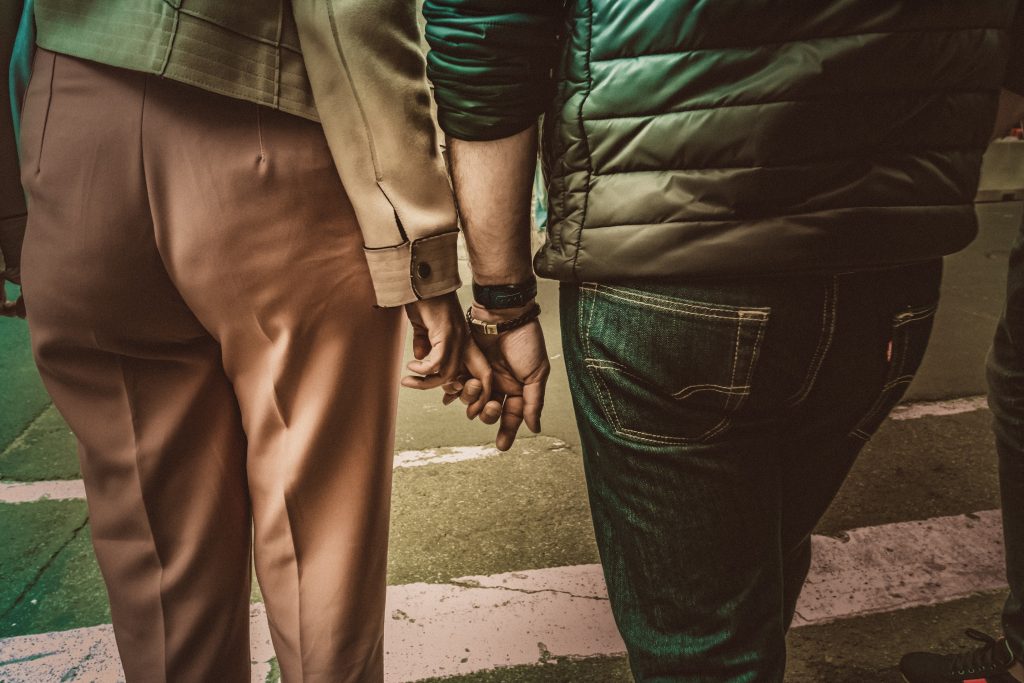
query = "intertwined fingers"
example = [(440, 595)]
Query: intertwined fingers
[(478, 388), (435, 369)]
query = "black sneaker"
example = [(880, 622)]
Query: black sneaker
[(986, 664)]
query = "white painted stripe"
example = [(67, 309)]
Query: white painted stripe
[(519, 618), (89, 655), (30, 492), (12, 492), (913, 411), (482, 622), (908, 564), (440, 456)]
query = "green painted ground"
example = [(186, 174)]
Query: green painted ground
[(45, 450), (51, 581), (22, 397)]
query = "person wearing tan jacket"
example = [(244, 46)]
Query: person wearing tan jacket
[(227, 209)]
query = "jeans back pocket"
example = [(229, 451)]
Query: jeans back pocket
[(668, 370)]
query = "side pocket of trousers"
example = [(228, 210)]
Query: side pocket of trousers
[(911, 329), (35, 114)]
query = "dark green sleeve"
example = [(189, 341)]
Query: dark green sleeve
[(1014, 79), (491, 63), (12, 198)]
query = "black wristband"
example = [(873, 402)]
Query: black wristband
[(497, 297)]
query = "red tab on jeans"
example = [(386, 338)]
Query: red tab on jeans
[(977, 680)]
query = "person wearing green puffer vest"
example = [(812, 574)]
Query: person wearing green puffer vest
[(228, 205), (749, 202)]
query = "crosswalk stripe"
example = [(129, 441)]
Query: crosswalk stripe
[(528, 617), (28, 492), (33, 491), (441, 456), (914, 411), (73, 489)]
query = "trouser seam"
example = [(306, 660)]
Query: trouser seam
[(142, 497)]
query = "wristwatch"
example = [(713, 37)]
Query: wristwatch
[(492, 329), (497, 297)]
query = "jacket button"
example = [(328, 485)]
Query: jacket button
[(423, 270)]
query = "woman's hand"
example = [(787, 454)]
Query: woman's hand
[(444, 351)]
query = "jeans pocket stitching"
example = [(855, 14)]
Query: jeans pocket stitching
[(608, 404), (762, 325), (735, 361), (913, 314), (591, 303), (733, 390), (897, 378), (736, 395), (825, 337), (604, 395), (678, 305), (876, 407)]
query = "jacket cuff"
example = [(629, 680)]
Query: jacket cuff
[(411, 271), (12, 234)]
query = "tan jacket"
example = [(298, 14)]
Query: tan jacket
[(354, 65)]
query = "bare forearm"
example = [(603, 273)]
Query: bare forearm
[(493, 183)]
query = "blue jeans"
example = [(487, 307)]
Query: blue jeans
[(718, 421), (1006, 399)]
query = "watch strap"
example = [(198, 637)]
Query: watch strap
[(497, 297)]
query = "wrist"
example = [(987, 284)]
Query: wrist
[(505, 296), (500, 315), (501, 278), (494, 327)]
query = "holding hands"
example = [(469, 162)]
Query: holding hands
[(497, 364), (493, 182), (443, 349)]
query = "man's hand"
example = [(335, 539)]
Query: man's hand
[(11, 309), (443, 348), (521, 368)]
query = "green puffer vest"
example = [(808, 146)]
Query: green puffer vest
[(721, 138)]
